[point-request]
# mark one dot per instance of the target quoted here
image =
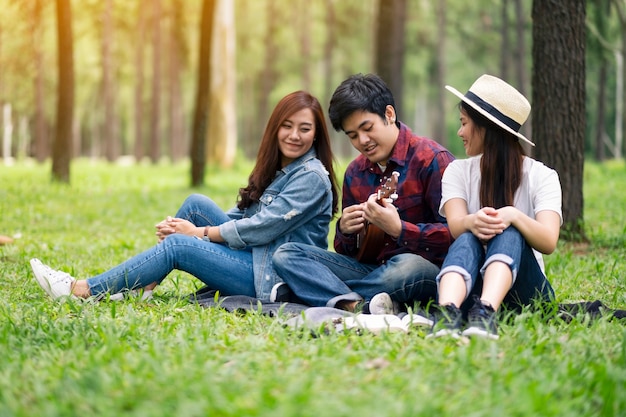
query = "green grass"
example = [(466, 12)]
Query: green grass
[(171, 358)]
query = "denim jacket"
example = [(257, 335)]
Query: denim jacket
[(295, 207)]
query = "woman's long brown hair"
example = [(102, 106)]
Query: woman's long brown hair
[(501, 163), (268, 159)]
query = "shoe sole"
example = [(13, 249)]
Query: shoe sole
[(288, 296), (116, 297), (41, 280), (375, 323), (475, 331), (455, 334), (420, 321), (274, 293), (145, 296)]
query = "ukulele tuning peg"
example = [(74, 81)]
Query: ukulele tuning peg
[(394, 196)]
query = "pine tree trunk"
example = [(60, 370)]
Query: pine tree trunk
[(558, 99), (155, 101), (389, 59), (139, 148), (62, 146), (177, 137), (222, 136), (505, 48), (268, 75), (41, 144), (439, 133), (201, 114), (111, 141), (520, 63), (601, 113)]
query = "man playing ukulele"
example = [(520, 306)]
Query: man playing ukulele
[(415, 239)]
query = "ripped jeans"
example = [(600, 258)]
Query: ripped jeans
[(228, 270), (469, 257)]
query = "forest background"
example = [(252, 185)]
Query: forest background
[(137, 72)]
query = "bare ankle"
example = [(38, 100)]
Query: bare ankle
[(81, 289)]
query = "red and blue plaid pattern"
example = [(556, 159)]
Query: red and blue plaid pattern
[(421, 163)]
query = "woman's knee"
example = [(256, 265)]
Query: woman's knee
[(510, 234), (466, 239), (195, 200), (466, 246), (173, 243)]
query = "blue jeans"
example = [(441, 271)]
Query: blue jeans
[(323, 278), (468, 257), (228, 270)]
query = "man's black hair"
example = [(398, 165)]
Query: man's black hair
[(359, 93)]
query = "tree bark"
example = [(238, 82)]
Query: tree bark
[(620, 118), (155, 102), (139, 147), (7, 132), (341, 146), (111, 141), (62, 146), (601, 113), (177, 137), (304, 28), (599, 49), (505, 48), (390, 45), (329, 45), (439, 132), (619, 101), (40, 141), (558, 99), (268, 75), (201, 114), (222, 137), (520, 62)]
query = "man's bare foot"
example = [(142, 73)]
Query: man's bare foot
[(347, 305)]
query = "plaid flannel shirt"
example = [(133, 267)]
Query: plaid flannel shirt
[(421, 163)]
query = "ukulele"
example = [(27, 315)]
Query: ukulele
[(371, 239)]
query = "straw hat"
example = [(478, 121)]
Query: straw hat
[(498, 102)]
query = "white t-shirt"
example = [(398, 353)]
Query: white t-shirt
[(540, 189)]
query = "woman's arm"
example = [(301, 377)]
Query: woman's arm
[(304, 196), (541, 233), (484, 224)]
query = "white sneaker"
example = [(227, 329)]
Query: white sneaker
[(145, 296), (382, 303), (55, 283), (417, 319)]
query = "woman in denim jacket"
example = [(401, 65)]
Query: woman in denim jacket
[(291, 196)]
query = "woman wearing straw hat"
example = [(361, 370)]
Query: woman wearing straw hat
[(504, 210)]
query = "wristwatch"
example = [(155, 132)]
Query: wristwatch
[(206, 234)]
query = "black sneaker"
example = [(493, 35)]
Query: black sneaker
[(446, 321), (481, 321), (281, 293), (204, 293)]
